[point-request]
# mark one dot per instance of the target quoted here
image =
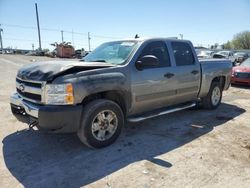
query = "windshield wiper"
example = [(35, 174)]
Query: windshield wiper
[(98, 60)]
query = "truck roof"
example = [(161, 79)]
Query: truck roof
[(153, 38)]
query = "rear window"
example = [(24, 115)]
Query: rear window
[(183, 54)]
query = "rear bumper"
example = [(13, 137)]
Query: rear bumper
[(50, 118)]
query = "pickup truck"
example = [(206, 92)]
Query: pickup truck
[(120, 81)]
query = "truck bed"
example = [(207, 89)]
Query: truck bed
[(212, 68)]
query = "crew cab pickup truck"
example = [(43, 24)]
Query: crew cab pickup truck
[(120, 81)]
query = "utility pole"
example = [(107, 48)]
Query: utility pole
[(72, 38), (33, 47), (89, 41), (62, 35), (181, 35), (38, 28), (1, 39)]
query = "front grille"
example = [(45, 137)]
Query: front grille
[(29, 95), (31, 84), (242, 75), (29, 90)]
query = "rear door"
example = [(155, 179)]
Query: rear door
[(152, 88), (187, 72)]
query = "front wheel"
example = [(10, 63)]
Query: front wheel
[(101, 124), (213, 98)]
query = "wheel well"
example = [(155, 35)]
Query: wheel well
[(221, 80), (115, 96)]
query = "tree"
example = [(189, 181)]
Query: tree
[(215, 46), (227, 45), (241, 40)]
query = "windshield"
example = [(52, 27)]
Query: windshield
[(246, 63), (223, 53), (112, 52)]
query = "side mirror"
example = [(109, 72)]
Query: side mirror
[(147, 61)]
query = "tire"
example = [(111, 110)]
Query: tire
[(213, 98), (101, 123)]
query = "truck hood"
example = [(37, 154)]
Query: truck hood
[(48, 70)]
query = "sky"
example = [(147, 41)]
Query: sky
[(204, 22)]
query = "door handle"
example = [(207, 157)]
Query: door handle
[(168, 75), (195, 72)]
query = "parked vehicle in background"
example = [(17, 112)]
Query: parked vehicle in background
[(64, 49), (9, 51), (241, 73), (80, 53), (240, 57), (129, 80), (197, 51), (205, 54), (225, 55)]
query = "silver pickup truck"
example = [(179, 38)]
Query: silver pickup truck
[(128, 80)]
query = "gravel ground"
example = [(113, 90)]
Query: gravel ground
[(191, 148)]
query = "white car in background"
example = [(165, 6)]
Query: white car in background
[(205, 54), (225, 55)]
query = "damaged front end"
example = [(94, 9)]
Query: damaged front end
[(23, 111)]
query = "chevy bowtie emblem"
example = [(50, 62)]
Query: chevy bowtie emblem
[(21, 88)]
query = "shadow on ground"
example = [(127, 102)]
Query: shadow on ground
[(36, 159), (241, 86)]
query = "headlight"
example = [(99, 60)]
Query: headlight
[(59, 94)]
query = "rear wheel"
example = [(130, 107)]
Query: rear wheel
[(213, 98), (101, 124)]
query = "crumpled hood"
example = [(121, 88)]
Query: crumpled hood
[(47, 70)]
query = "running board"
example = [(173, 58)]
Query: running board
[(144, 117)]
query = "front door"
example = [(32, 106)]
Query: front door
[(153, 87)]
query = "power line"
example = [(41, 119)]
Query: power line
[(19, 26), (78, 33), (34, 40), (59, 30), (62, 33), (27, 40), (48, 29), (106, 37), (18, 39)]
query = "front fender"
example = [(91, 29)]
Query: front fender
[(85, 85), (92, 84)]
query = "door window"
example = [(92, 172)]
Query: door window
[(159, 50), (183, 54)]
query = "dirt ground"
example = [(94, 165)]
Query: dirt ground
[(191, 148)]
